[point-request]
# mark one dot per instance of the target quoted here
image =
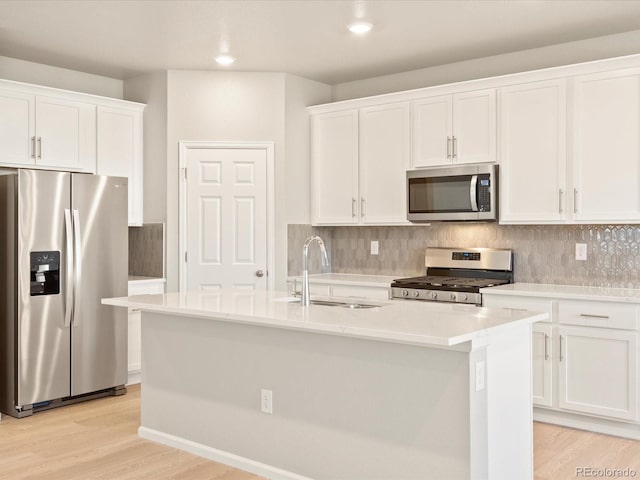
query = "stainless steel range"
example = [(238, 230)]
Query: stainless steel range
[(456, 275)]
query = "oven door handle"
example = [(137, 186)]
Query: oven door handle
[(473, 188)]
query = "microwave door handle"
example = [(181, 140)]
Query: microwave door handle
[(473, 188)]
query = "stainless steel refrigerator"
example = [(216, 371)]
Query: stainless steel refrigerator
[(63, 247)]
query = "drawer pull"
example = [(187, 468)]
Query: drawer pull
[(546, 350), (560, 342), (515, 309), (586, 315)]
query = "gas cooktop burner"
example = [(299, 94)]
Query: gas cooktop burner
[(457, 275)]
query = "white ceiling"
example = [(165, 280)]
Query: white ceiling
[(309, 38)]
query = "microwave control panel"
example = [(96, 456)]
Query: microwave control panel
[(484, 193)]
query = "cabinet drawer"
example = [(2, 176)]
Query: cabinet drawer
[(518, 303), (374, 293), (598, 314)]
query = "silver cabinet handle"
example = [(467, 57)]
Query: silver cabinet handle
[(68, 307), (78, 265), (39, 147), (593, 316), (353, 207), (33, 147), (560, 347), (560, 192), (363, 204), (259, 273), (515, 309), (546, 348), (455, 147), (575, 200), (448, 148), (473, 188)]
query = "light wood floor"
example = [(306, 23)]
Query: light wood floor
[(98, 440)]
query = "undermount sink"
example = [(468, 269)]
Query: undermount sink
[(354, 304)]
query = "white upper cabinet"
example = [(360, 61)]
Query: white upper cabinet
[(359, 162), (119, 152), (47, 132), (384, 159), (334, 156), (454, 129), (533, 152), (606, 146), (65, 134), (17, 127)]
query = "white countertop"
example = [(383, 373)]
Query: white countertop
[(573, 292), (141, 279), (349, 279), (399, 321)]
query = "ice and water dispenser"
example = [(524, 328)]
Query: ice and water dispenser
[(45, 273)]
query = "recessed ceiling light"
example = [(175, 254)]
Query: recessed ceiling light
[(360, 27), (225, 59)]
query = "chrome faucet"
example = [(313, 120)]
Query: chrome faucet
[(304, 298)]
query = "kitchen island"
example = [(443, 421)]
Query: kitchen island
[(401, 390)]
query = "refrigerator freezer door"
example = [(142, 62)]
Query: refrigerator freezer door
[(43, 340), (99, 332)]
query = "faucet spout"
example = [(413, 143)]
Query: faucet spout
[(305, 298)]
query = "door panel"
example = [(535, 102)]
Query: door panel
[(43, 339), (99, 332), (16, 128), (474, 116), (226, 218), (432, 131)]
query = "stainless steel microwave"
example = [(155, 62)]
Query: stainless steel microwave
[(459, 193)]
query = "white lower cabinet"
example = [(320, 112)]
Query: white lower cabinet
[(598, 371), (585, 360), (542, 374)]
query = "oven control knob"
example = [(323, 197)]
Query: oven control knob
[(465, 297), (405, 293), (452, 296), (434, 295), (416, 293)]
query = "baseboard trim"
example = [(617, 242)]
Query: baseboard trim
[(134, 377), (219, 456), (591, 424)]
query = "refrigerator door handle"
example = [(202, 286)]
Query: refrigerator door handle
[(68, 307), (78, 265)]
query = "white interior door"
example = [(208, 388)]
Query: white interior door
[(226, 218)]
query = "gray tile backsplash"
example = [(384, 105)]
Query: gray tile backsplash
[(543, 253), (146, 250)]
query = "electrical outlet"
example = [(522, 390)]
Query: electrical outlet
[(266, 401), (480, 375), (374, 247), (581, 251)]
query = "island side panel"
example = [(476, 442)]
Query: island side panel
[(510, 412), (342, 407)]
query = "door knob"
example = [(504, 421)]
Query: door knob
[(259, 273)]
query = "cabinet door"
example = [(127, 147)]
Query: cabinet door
[(533, 153), (360, 291), (17, 125), (384, 160), (599, 371), (432, 131), (334, 155), (66, 134), (474, 127), (606, 146), (119, 152), (542, 366)]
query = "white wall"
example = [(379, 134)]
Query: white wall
[(224, 106), (39, 74), (152, 90), (562, 54), (299, 93)]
